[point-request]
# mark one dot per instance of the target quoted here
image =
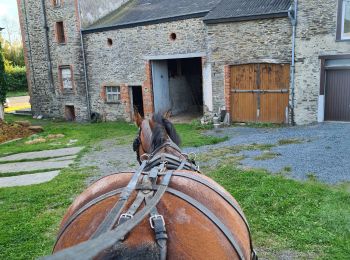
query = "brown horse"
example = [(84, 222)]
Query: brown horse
[(166, 209)]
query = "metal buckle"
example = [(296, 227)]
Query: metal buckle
[(156, 217), (125, 215)]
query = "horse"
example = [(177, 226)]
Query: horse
[(166, 209)]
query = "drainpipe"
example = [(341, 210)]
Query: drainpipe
[(47, 46), (84, 65), (292, 14)]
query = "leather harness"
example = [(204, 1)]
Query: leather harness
[(117, 224)]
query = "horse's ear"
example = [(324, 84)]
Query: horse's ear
[(137, 118), (167, 114), (152, 122)]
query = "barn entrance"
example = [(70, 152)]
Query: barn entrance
[(178, 86), (260, 93), (136, 99)]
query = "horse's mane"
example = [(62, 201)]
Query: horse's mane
[(162, 129)]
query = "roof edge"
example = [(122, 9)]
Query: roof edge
[(247, 18), (146, 22)]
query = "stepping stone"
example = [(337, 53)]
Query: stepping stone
[(33, 166), (23, 123), (59, 159), (36, 128), (30, 179), (42, 154)]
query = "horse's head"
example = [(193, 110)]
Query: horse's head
[(153, 134)]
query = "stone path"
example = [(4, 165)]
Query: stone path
[(30, 179), (42, 154), (33, 166), (45, 163)]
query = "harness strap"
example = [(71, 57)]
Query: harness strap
[(225, 197), (173, 162), (182, 165), (113, 215), (92, 248), (158, 225), (219, 192), (130, 213), (212, 217), (167, 143), (84, 208)]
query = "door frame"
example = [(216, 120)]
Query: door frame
[(321, 112)]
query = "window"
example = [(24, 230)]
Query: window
[(112, 94), (346, 20), (343, 30), (56, 3), (61, 38), (66, 77)]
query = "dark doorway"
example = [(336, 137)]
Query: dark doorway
[(178, 86), (137, 100), (69, 113)]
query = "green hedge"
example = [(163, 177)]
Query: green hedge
[(16, 79)]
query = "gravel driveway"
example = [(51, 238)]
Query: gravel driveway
[(320, 151)]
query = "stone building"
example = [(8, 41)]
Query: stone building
[(251, 59)]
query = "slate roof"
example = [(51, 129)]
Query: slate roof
[(141, 12), (238, 10), (137, 12)]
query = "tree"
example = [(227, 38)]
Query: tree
[(3, 85)]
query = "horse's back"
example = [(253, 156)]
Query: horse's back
[(193, 209)]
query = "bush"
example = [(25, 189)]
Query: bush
[(16, 78)]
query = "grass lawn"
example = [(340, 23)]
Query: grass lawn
[(88, 134), (308, 217), (17, 94), (30, 216)]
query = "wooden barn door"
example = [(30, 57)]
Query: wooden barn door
[(260, 92)]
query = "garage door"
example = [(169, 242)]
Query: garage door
[(337, 106), (260, 93)]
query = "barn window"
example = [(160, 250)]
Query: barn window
[(112, 94), (61, 38), (56, 3), (66, 76), (343, 30)]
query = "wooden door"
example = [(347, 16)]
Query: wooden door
[(337, 101), (260, 92), (161, 92)]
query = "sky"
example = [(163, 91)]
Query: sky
[(9, 20)]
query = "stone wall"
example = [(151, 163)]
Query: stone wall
[(258, 41), (125, 62), (316, 35), (47, 96), (42, 94)]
